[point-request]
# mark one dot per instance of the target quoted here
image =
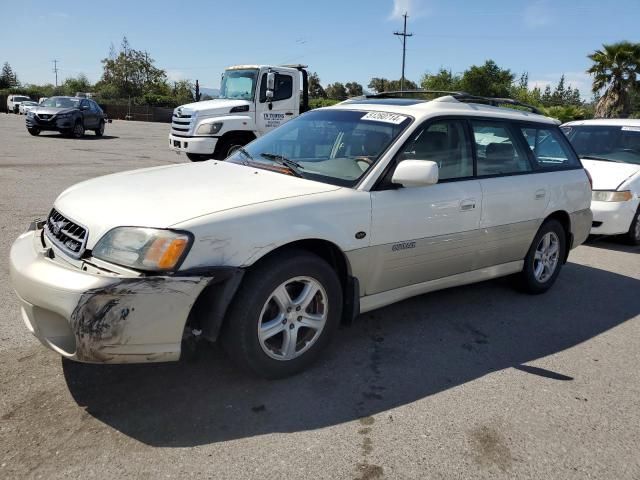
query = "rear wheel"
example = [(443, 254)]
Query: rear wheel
[(633, 235), (543, 262), (100, 130), (34, 131), (284, 314)]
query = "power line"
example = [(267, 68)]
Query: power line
[(404, 36), (55, 70)]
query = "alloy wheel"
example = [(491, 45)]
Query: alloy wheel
[(545, 260)]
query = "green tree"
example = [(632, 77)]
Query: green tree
[(8, 78), (487, 80), (183, 91), (354, 89), (81, 83), (336, 91), (131, 73), (615, 72), (444, 80), (546, 98), (315, 88), (378, 84)]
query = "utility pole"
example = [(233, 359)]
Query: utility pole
[(404, 36), (55, 70)]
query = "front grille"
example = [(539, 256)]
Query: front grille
[(44, 116), (181, 123), (65, 234)]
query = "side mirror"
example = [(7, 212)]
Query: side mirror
[(416, 173), (271, 85)]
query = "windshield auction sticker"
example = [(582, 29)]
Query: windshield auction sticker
[(385, 117), (631, 129)]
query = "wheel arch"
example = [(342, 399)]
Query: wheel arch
[(565, 220), (209, 311)]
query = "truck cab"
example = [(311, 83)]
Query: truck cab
[(253, 100)]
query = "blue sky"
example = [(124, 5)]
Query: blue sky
[(341, 40)]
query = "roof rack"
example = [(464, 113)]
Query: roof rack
[(460, 96)]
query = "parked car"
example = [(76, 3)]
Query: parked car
[(14, 101), (67, 115), (26, 106), (339, 211), (610, 151)]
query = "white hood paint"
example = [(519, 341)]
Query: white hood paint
[(609, 175), (214, 107), (164, 196)]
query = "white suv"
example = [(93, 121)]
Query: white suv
[(340, 211)]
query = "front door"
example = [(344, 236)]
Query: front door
[(424, 233), (284, 105)]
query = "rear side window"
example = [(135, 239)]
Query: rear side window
[(444, 142), (549, 148), (498, 152)]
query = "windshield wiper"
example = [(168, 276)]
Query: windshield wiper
[(602, 159), (292, 165)]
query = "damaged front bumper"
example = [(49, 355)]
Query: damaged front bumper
[(89, 314)]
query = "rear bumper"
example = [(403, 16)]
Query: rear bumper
[(198, 145), (613, 218), (91, 315)]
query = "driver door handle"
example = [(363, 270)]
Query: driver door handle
[(468, 204), (289, 113)]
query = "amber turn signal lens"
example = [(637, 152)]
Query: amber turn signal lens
[(165, 253)]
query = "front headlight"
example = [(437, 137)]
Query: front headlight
[(209, 128), (143, 248), (30, 113), (611, 196)]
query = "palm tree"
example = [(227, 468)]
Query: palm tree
[(615, 69)]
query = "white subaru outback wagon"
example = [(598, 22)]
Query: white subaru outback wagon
[(340, 211)]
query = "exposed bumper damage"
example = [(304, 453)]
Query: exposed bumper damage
[(94, 316)]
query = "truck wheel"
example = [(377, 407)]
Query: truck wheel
[(197, 157), (284, 314), (633, 235), (228, 146), (34, 131), (543, 262), (100, 130), (78, 129)]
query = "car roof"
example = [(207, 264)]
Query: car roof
[(447, 105), (612, 122)]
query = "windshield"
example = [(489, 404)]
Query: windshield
[(606, 142), (61, 102), (20, 99), (331, 146), (238, 84)]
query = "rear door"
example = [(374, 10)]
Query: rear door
[(423, 233), (514, 199)]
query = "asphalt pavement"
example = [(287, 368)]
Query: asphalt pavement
[(480, 381)]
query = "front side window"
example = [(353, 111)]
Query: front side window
[(283, 88), (332, 146), (497, 150), (548, 148), (606, 142), (444, 142), (238, 84)]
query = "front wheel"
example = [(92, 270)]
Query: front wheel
[(228, 146), (284, 314), (34, 131), (198, 157), (100, 130), (633, 235), (543, 262), (78, 129)]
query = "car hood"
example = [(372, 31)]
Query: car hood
[(52, 110), (609, 175), (217, 106), (164, 196)]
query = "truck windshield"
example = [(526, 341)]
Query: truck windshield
[(614, 143), (239, 84), (331, 146)]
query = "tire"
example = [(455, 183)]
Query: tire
[(542, 264), (255, 305), (78, 129), (100, 130), (228, 146), (198, 157), (633, 235), (34, 131)]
